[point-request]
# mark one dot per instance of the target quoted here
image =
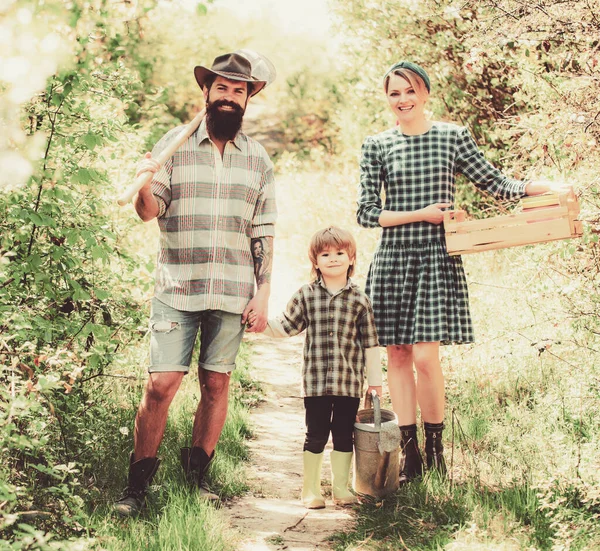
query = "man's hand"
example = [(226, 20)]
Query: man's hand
[(256, 313), (434, 213), (145, 203), (147, 164)]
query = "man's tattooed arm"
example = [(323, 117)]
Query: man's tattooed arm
[(262, 254)]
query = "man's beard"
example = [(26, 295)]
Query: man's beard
[(223, 125)]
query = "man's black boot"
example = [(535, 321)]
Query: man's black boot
[(434, 449), (140, 477), (195, 462), (413, 463)]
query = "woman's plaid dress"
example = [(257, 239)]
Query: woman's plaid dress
[(419, 292)]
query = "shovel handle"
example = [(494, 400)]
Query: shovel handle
[(131, 190), (162, 158)]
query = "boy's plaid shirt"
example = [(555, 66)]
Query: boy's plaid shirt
[(338, 330), (210, 209)]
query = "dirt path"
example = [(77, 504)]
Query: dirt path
[(272, 517)]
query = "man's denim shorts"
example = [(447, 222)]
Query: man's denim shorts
[(174, 332)]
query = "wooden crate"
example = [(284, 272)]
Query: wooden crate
[(543, 218)]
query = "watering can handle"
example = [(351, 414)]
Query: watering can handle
[(369, 399), (373, 398)]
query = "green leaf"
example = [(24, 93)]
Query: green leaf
[(41, 219), (35, 218), (35, 261), (108, 134), (82, 176), (90, 239), (98, 252), (90, 141), (72, 236), (101, 294), (201, 9), (41, 277), (80, 294), (75, 14), (47, 382)]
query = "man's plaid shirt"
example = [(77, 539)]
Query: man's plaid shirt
[(209, 210), (417, 171), (339, 328)]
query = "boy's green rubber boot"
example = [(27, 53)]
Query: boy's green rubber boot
[(311, 488), (340, 474)]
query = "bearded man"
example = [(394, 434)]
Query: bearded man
[(213, 200)]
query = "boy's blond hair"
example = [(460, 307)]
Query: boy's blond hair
[(326, 239)]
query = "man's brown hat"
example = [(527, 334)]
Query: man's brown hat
[(232, 67)]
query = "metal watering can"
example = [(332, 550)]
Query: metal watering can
[(376, 450)]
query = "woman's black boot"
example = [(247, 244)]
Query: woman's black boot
[(434, 449), (413, 463)]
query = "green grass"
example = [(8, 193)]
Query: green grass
[(433, 513), (418, 516), (75, 512), (175, 518), (522, 420)]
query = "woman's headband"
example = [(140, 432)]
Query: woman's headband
[(417, 69)]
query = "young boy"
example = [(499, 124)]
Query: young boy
[(341, 341)]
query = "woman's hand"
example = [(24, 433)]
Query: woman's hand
[(543, 186), (434, 213)]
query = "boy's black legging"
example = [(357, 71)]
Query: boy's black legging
[(325, 414)]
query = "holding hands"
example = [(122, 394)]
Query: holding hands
[(251, 319), (255, 315)]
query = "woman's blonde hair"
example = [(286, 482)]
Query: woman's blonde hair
[(328, 238), (411, 77)]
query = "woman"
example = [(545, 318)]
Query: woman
[(419, 292)]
